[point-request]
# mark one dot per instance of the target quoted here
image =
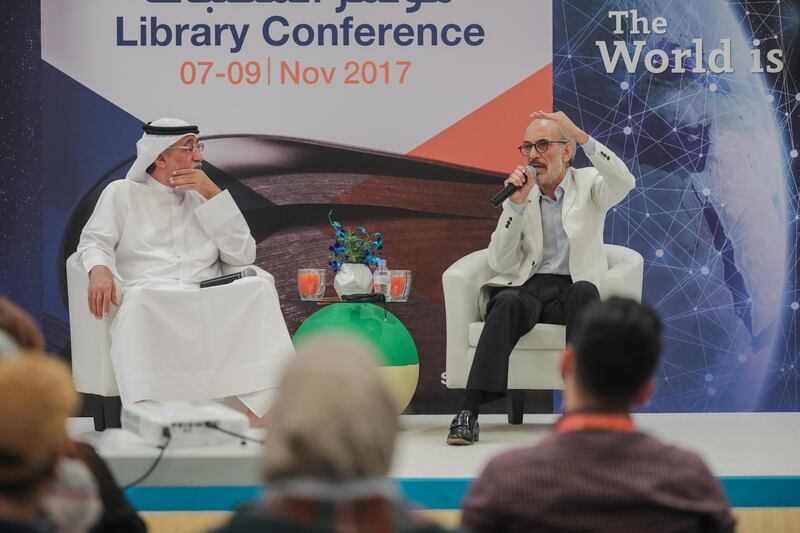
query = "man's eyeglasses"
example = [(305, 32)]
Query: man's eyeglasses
[(189, 148), (542, 145)]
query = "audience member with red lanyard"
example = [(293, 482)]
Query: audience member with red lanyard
[(596, 471)]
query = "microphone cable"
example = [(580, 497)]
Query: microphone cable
[(153, 466), (213, 425)]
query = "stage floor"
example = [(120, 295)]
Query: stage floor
[(733, 444), (754, 454)]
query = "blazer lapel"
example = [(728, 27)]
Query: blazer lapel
[(534, 214), (569, 199)]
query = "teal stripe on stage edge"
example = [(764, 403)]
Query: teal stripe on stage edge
[(440, 494), (191, 498), (762, 491), (435, 493)]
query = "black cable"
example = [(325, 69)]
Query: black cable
[(155, 463), (213, 425)]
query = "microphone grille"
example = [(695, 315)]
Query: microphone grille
[(248, 272), (532, 170)]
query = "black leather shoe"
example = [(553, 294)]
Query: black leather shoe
[(464, 429)]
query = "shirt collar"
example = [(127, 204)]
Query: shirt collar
[(585, 421)]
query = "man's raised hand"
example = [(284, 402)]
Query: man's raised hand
[(570, 129)]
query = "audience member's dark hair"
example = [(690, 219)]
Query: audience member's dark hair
[(27, 486), (617, 345)]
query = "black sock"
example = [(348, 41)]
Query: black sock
[(472, 401)]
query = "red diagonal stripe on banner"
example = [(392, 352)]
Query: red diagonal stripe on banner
[(487, 138)]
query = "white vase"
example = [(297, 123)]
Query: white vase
[(353, 278)]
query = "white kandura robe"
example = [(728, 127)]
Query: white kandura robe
[(171, 340)]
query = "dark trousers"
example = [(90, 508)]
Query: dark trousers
[(511, 313)]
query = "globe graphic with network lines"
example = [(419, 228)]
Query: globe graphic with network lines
[(709, 212)]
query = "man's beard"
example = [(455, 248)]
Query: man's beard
[(550, 177)]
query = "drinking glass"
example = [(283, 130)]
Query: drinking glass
[(311, 283), (399, 285)]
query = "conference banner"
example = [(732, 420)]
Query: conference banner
[(404, 116)]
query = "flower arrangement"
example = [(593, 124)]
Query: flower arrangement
[(353, 247)]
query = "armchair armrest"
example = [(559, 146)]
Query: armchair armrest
[(89, 338), (625, 273), (461, 283)]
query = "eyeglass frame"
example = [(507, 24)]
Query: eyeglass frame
[(531, 146), (199, 147)]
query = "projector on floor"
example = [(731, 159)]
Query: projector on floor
[(188, 424)]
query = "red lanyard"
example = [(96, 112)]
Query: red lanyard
[(595, 421)]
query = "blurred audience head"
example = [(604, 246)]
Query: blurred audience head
[(613, 354), (8, 346), (333, 419), (20, 326), (36, 397)]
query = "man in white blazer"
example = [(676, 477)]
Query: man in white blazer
[(547, 251)]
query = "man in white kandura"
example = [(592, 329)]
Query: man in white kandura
[(160, 232)]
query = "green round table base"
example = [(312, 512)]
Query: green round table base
[(399, 361)]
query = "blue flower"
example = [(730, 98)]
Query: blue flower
[(353, 247)]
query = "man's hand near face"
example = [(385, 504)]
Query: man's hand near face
[(194, 179), (521, 177), (102, 292)]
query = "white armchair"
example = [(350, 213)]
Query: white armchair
[(534, 363), (91, 342)]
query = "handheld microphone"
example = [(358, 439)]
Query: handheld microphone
[(230, 278), (510, 189)]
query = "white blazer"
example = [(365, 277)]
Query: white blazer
[(515, 251)]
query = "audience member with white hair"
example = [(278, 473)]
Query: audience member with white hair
[(329, 446)]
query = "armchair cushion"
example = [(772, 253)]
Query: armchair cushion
[(541, 337)]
